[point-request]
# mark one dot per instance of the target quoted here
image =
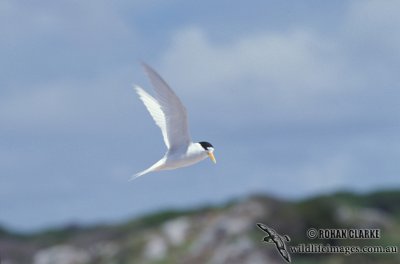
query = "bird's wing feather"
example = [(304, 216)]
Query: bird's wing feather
[(176, 133), (155, 111)]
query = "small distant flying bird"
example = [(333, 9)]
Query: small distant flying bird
[(278, 240), (170, 115)]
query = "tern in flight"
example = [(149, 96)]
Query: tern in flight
[(170, 116)]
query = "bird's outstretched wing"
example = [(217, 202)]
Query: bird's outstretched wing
[(167, 111), (155, 111)]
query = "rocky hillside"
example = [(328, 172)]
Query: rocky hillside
[(220, 234)]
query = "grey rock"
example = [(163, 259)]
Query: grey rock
[(176, 230), (156, 248), (61, 254)]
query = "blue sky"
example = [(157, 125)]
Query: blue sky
[(297, 98)]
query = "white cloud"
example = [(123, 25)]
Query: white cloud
[(327, 84), (266, 58), (36, 105), (296, 75), (68, 104), (376, 22), (75, 21), (63, 39), (290, 75)]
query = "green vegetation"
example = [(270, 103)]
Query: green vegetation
[(128, 242)]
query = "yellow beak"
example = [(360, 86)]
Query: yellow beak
[(211, 155)]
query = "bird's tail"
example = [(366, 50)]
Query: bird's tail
[(155, 167), (137, 175)]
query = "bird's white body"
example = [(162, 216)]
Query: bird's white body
[(184, 157), (178, 158), (170, 116)]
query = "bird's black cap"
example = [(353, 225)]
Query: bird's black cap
[(206, 145)]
